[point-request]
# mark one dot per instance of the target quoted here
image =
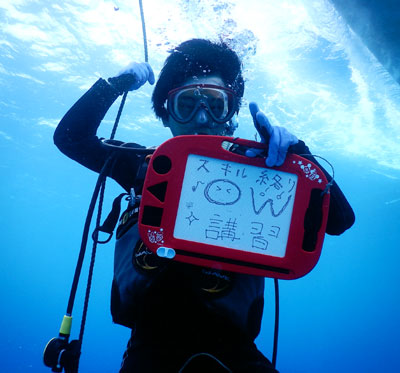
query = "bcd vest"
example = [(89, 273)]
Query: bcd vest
[(237, 297)]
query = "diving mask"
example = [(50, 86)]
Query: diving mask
[(219, 102)]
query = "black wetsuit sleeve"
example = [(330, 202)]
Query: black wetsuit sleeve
[(76, 136), (341, 216)]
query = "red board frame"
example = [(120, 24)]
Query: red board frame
[(158, 211)]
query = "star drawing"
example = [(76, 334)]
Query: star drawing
[(191, 218)]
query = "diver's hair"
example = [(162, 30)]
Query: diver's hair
[(197, 57)]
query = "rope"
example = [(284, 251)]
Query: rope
[(276, 329), (146, 55), (146, 58), (98, 191), (121, 106), (92, 260), (85, 235)]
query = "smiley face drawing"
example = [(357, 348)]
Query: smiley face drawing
[(222, 192)]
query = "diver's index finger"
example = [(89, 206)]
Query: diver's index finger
[(264, 122), (253, 107)]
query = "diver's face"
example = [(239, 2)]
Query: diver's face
[(201, 123)]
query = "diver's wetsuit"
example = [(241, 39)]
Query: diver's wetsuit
[(176, 317)]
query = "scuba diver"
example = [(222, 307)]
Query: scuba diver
[(183, 317)]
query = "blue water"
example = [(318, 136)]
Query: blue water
[(308, 71)]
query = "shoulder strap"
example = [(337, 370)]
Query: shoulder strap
[(111, 221)]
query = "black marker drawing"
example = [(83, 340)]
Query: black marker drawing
[(217, 231), (294, 183), (263, 178), (244, 207), (215, 222), (204, 165), (226, 168), (274, 231), (256, 227), (229, 230), (277, 185), (257, 211), (191, 218), (259, 243), (222, 192), (243, 175), (263, 194), (214, 228), (194, 187), (212, 234)]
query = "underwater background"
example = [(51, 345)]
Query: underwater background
[(326, 72)]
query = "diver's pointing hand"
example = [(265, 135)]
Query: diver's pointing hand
[(132, 77), (261, 122), (279, 138)]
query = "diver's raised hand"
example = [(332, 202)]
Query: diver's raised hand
[(279, 138), (132, 77)]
